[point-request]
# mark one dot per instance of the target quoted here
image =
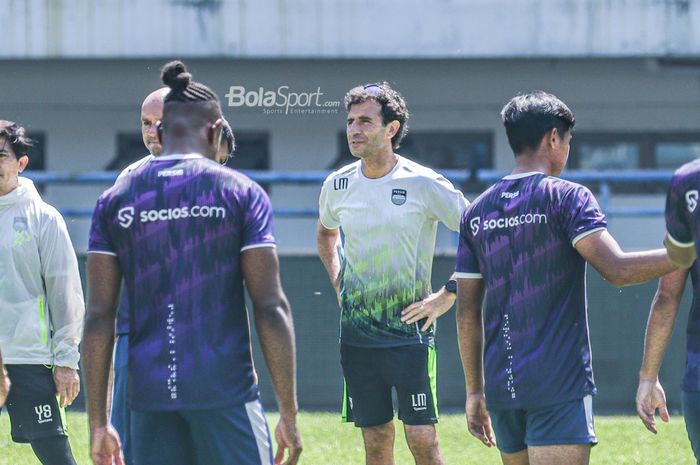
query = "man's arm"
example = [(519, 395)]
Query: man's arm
[(4, 383), (620, 268), (273, 322), (664, 308), (470, 334), (104, 281), (430, 308), (328, 242)]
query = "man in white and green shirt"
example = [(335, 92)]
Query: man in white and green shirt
[(388, 208)]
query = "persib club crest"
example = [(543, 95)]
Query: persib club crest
[(19, 224), (398, 196)]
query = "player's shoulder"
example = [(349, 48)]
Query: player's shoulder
[(482, 199), (689, 171), (347, 171), (562, 186), (136, 165), (410, 168)]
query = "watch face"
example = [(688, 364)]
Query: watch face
[(451, 286)]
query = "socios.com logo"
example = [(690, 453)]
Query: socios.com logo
[(474, 223), (125, 217), (691, 199), (506, 222)]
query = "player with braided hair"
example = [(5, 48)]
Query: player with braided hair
[(186, 233)]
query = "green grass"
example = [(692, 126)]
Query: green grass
[(623, 441)]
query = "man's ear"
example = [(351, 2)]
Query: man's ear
[(159, 131), (23, 162), (393, 128)]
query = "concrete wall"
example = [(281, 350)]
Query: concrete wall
[(349, 28), (82, 104)]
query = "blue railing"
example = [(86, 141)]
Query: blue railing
[(458, 177)]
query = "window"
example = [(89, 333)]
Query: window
[(625, 151), (633, 151), (129, 149), (252, 151), (37, 154), (453, 150)]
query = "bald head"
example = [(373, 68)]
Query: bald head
[(151, 112)]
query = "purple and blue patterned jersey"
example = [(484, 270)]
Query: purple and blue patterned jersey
[(519, 237), (178, 227), (691, 378), (683, 229)]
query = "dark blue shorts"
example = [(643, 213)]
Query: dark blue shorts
[(121, 419), (224, 436), (371, 373), (691, 413), (560, 424), (33, 405)]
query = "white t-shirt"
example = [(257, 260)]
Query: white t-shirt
[(389, 227)]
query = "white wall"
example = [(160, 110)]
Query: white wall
[(349, 28), (82, 104)]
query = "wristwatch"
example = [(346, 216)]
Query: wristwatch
[(451, 286)]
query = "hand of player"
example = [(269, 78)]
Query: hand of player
[(67, 384), (429, 308), (105, 446), (287, 437), (4, 387), (650, 397), (478, 419)]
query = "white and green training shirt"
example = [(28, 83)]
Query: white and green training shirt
[(389, 226)]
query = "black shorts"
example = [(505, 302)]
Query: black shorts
[(370, 375), (32, 403)]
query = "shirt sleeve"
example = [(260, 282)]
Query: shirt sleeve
[(64, 292), (257, 220), (467, 266), (446, 203), (679, 202), (99, 240), (581, 214), (327, 215)]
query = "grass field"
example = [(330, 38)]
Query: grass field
[(623, 441)]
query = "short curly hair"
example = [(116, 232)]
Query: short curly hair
[(393, 105), (16, 135)]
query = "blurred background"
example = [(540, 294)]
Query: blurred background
[(75, 73)]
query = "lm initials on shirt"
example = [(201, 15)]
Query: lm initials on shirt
[(44, 413)]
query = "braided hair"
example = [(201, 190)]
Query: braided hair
[(182, 87)]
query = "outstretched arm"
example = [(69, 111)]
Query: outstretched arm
[(273, 322), (104, 280), (664, 308), (602, 251)]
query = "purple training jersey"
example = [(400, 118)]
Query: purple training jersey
[(519, 237), (683, 229), (178, 227)]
